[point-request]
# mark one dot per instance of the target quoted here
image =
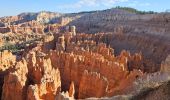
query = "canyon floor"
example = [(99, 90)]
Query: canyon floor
[(112, 54)]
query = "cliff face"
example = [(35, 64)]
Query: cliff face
[(109, 20), (157, 47), (148, 33), (94, 84)]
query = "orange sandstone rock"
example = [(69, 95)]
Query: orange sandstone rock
[(7, 59), (14, 87), (92, 85), (71, 90)]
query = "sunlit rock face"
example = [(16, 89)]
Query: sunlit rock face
[(44, 78), (33, 79), (77, 67), (7, 59), (124, 60), (97, 59), (15, 82), (84, 69), (165, 67)]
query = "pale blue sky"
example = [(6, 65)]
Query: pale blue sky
[(14, 7)]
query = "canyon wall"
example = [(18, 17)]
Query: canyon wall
[(157, 47), (74, 66)]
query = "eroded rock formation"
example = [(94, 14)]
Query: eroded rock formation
[(82, 73), (15, 82), (58, 63), (7, 59)]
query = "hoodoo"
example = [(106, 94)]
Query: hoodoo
[(115, 54)]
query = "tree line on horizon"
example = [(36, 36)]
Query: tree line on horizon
[(129, 9), (133, 10)]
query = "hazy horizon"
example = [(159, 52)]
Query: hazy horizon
[(12, 8)]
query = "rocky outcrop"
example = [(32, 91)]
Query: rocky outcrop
[(14, 86), (165, 66), (71, 90), (33, 79), (64, 96), (132, 32), (7, 60), (83, 65), (157, 50), (92, 85), (161, 92), (67, 95), (80, 67), (99, 60), (44, 76), (30, 27), (47, 89)]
